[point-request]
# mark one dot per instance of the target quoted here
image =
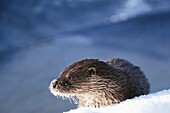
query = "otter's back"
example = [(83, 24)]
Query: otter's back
[(138, 78), (125, 66), (120, 64)]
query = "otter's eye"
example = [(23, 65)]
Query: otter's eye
[(69, 78), (65, 84)]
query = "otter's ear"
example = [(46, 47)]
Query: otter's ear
[(92, 71)]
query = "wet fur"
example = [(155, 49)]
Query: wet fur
[(97, 83)]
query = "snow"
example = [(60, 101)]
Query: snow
[(153, 103)]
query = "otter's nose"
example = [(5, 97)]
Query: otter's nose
[(54, 84)]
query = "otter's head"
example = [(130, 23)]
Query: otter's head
[(87, 76)]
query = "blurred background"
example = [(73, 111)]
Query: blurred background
[(39, 38)]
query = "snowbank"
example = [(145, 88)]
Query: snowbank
[(153, 103)]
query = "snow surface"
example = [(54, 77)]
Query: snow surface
[(153, 103)]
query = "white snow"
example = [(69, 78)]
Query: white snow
[(153, 103)]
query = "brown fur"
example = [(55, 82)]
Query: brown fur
[(97, 83)]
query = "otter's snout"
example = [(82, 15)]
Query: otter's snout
[(59, 83), (54, 83)]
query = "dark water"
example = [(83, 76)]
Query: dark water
[(38, 39)]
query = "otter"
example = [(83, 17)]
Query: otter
[(97, 83)]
